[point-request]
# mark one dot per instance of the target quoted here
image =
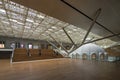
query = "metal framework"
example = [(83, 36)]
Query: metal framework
[(103, 38), (69, 37), (59, 44), (87, 16), (22, 22), (52, 44), (98, 40), (91, 26)]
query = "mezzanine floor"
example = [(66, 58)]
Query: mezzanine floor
[(60, 69)]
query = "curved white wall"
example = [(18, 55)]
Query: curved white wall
[(88, 49)]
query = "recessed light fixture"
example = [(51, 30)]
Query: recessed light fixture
[(29, 20)]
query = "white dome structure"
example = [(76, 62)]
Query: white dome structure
[(88, 51)]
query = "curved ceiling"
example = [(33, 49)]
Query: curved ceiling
[(109, 16), (33, 22)]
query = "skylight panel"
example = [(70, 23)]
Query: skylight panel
[(6, 22), (7, 27), (3, 17), (16, 16), (44, 22), (51, 20), (38, 20), (15, 21), (15, 8), (32, 13)]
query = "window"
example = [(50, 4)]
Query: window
[(42, 46), (21, 45), (30, 46), (12, 45), (2, 44), (35, 46), (17, 45)]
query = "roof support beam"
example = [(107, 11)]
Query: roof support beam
[(59, 44), (52, 44), (93, 22), (88, 17), (99, 39), (24, 23), (69, 37), (103, 38)]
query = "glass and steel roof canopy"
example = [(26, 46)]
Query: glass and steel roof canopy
[(22, 22)]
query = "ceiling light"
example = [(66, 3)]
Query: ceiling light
[(0, 2), (29, 20), (69, 31), (47, 31), (74, 29), (2, 10), (27, 27), (40, 16), (53, 27), (50, 29), (20, 23), (13, 20)]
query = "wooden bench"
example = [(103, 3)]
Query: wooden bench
[(20, 54)]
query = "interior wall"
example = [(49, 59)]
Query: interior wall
[(9, 40)]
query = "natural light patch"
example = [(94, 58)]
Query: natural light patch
[(19, 21)]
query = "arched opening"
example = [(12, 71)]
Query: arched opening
[(77, 56), (102, 56), (73, 56), (84, 56), (93, 56)]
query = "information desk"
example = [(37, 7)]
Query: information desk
[(5, 53)]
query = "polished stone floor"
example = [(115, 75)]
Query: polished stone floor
[(59, 69)]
